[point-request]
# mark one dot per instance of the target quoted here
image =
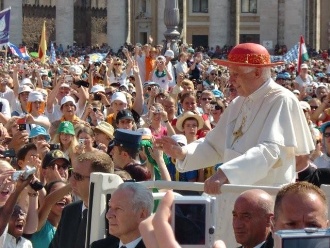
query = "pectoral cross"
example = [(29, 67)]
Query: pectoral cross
[(239, 133)]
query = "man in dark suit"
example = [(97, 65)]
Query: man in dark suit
[(71, 231), (252, 214), (129, 205)]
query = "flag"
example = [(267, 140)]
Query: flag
[(43, 44), (289, 57), (303, 55), (19, 52), (4, 26), (52, 58)]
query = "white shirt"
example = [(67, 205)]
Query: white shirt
[(130, 244), (10, 242), (274, 132)]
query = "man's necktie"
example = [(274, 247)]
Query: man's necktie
[(81, 235)]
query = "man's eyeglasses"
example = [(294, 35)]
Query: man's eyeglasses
[(205, 99), (326, 135), (78, 177)]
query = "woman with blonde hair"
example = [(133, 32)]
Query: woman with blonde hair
[(116, 73), (66, 137)]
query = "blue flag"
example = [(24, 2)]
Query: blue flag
[(52, 58), (19, 52), (4, 26)]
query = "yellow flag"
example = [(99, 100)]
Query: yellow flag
[(43, 44)]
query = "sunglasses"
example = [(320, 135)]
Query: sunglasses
[(116, 64), (326, 135), (64, 166), (217, 107), (78, 177), (204, 99), (314, 107)]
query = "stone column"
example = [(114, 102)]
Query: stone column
[(294, 24), (16, 20), (184, 24), (161, 28), (117, 23), (218, 29), (64, 22), (268, 22)]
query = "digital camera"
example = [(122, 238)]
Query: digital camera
[(193, 221), (302, 238)]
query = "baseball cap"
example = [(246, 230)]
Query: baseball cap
[(169, 53), (124, 114), (180, 138), (119, 96), (51, 156), (145, 132)]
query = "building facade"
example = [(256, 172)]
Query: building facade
[(202, 22)]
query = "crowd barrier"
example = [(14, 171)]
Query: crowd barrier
[(103, 185)]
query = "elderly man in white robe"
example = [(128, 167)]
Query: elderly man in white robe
[(258, 135)]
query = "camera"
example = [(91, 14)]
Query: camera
[(193, 221), (21, 124), (8, 153), (97, 97), (54, 146), (302, 238), (23, 173), (81, 142), (309, 90)]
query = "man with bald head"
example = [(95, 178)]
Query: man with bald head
[(300, 205), (252, 214)]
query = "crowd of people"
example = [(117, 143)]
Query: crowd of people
[(143, 117)]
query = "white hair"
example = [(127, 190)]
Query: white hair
[(142, 197)]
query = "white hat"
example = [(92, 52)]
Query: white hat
[(145, 132), (161, 58), (119, 96), (35, 96), (296, 92), (43, 72), (65, 85), (28, 82), (304, 66), (211, 68), (24, 88), (304, 105), (97, 88), (187, 115), (169, 53), (180, 138), (75, 69), (67, 99)]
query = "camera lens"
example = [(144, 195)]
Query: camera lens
[(95, 109)]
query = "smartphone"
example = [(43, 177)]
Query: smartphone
[(8, 153), (1, 104), (54, 146), (21, 124)]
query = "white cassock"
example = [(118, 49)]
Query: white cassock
[(273, 131)]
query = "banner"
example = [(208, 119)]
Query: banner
[(4, 26)]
